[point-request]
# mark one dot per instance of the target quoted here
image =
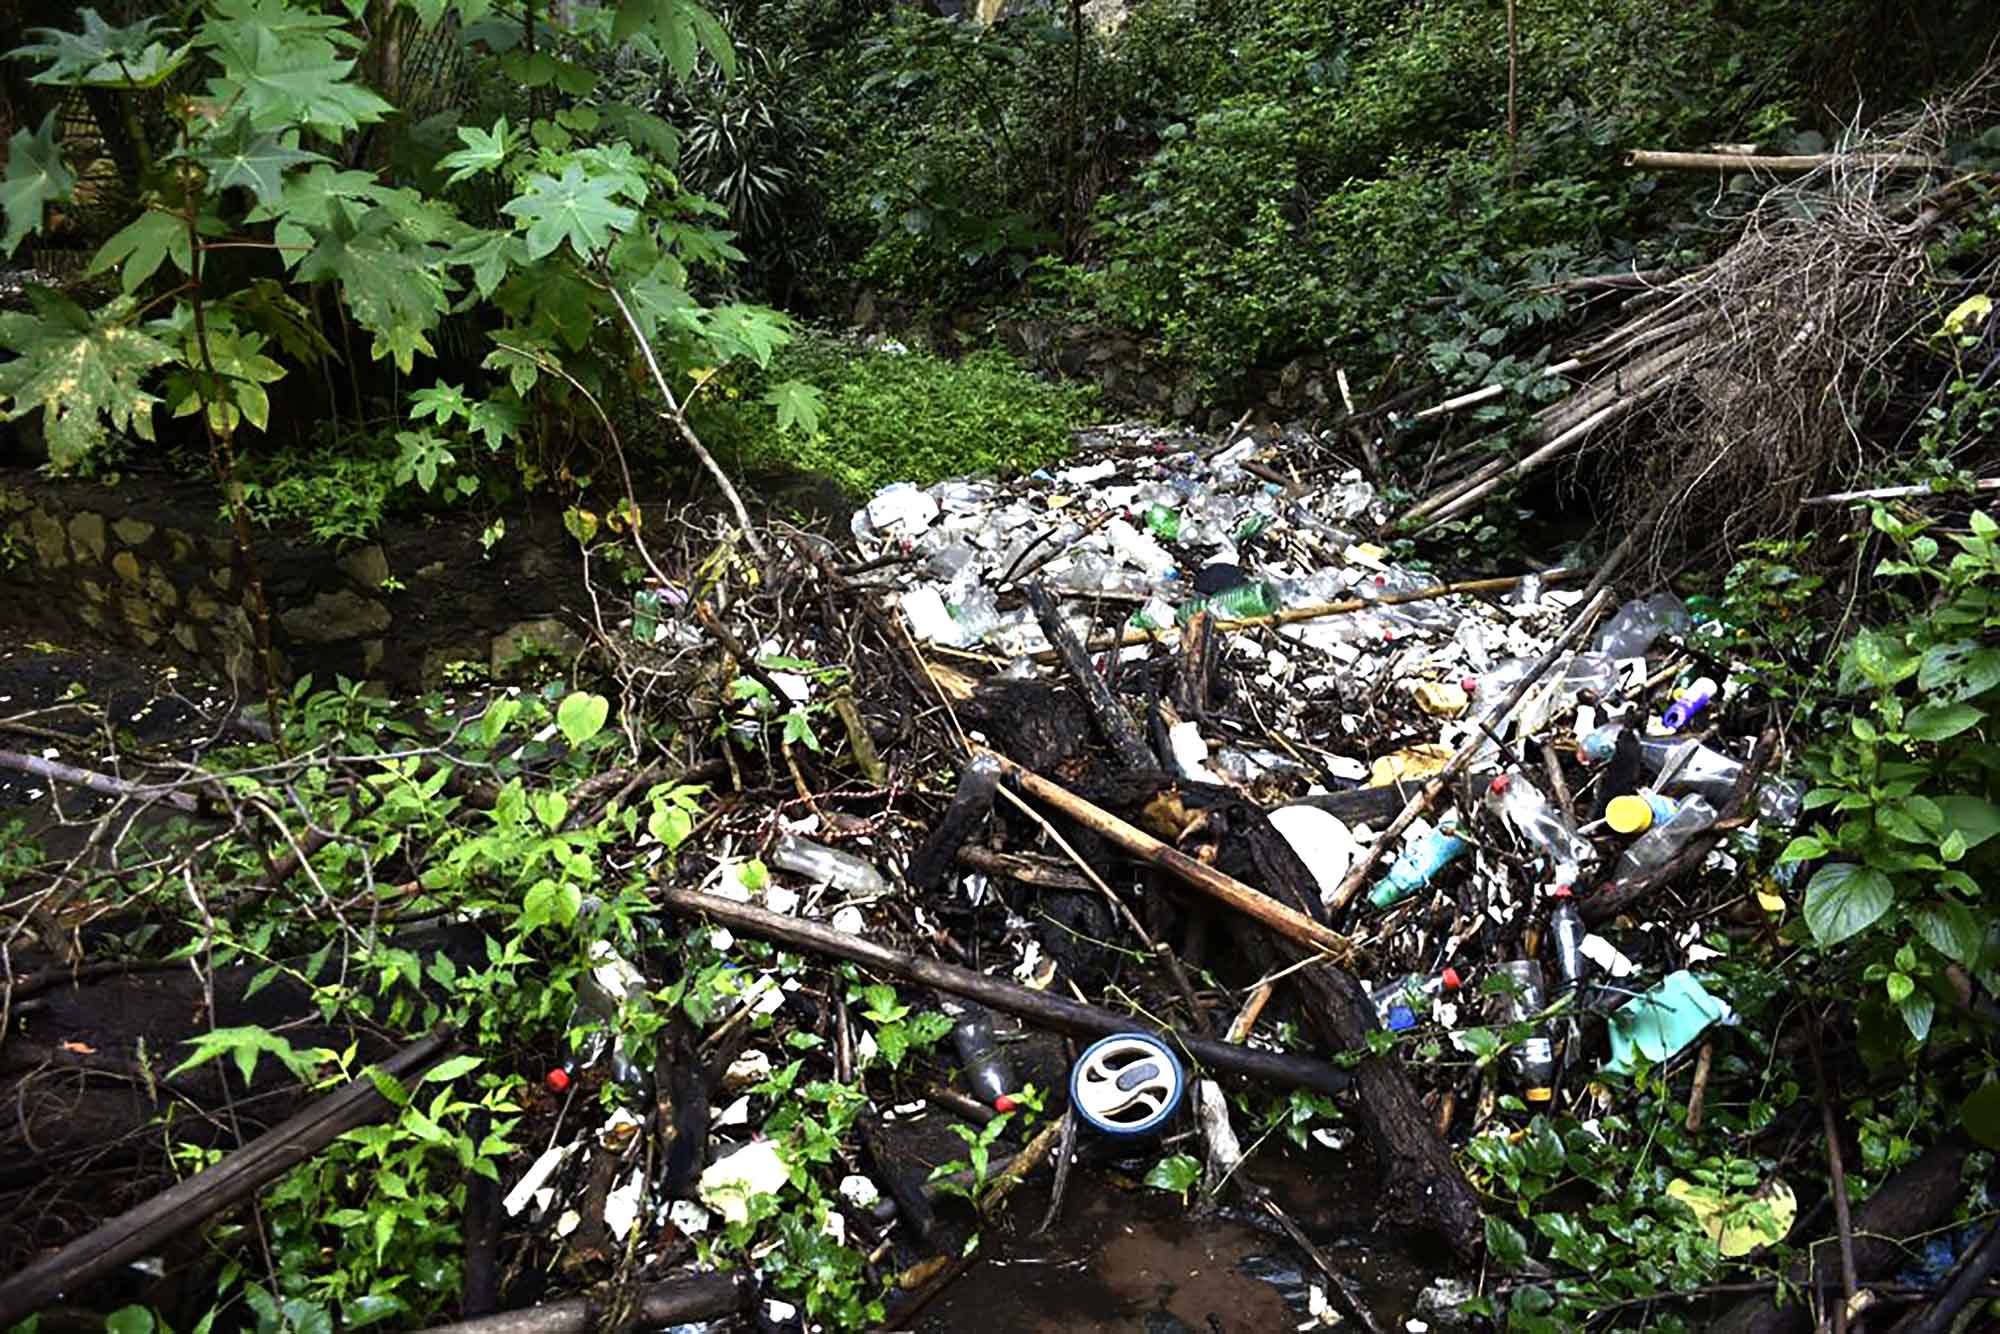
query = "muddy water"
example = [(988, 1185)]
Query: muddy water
[(1131, 1261)]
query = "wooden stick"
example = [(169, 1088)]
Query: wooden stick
[(1288, 922), (1836, 1180), (1774, 164), (1253, 1008), (1111, 718), (1050, 1011), (1492, 391), (103, 784), (1698, 1095), (677, 1301), (1898, 493), (1432, 790), (237, 1177)]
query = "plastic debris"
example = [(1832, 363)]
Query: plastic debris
[(729, 1183), (1663, 1022)]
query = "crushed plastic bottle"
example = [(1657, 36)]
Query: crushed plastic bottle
[(1535, 818), (1489, 686), (1657, 846), (1419, 862), (1398, 1004), (1257, 598), (1634, 626), (828, 866), (988, 1073), (1688, 703), (1163, 522), (1532, 1060)]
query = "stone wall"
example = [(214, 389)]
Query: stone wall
[(150, 566)]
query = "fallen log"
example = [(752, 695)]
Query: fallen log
[(237, 1177), (1064, 1016), (1110, 716), (677, 1301), (1287, 921)]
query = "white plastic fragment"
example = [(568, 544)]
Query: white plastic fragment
[(1322, 841), (689, 1217), (849, 920), (901, 510), (729, 1183), (859, 1191), (534, 1179), (621, 1206)]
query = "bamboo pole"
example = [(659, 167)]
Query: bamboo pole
[(1467, 499), (1064, 1016), (1286, 921), (1774, 164), (673, 1302)]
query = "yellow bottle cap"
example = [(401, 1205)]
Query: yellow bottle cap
[(1537, 1095), (1629, 814)]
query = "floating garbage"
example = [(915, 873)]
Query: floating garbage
[(1128, 1084), (1663, 1022)]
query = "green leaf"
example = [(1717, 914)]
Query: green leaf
[(1803, 848), (1980, 1114), (82, 370), (1918, 1009), (245, 1044), (670, 825), (101, 56), (282, 76), (798, 404), (1952, 930), (483, 151), (1899, 986), (1963, 668), (1935, 722), (1882, 657), (452, 1068), (1973, 817), (254, 160), (1176, 1172), (550, 901), (36, 177), (392, 284), (581, 716), (577, 208), (129, 1319), (1505, 1245), (1844, 899), (142, 245)]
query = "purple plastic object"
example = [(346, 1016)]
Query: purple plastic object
[(1692, 701)]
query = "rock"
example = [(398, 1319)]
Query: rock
[(14, 502), (547, 637), (1438, 1304), (180, 547), (50, 550), (86, 536), (133, 532), (333, 617), (372, 652), (126, 566), (367, 566), (431, 571), (222, 576), (450, 664)]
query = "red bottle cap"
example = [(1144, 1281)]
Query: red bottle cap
[(1561, 892), (557, 1080), (1500, 783), (1451, 979), (1003, 1103)]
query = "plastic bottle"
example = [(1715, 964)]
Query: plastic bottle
[(1396, 1004), (1256, 598), (1566, 933), (1598, 745), (829, 866), (1488, 686), (1656, 846), (1636, 812), (1521, 804), (1163, 522), (1689, 702), (1634, 626), (1414, 869), (987, 1071), (1532, 1061)]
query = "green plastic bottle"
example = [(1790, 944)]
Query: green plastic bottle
[(1164, 522), (1259, 597)]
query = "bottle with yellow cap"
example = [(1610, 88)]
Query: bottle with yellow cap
[(1532, 1060), (1636, 812)]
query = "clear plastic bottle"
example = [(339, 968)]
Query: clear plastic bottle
[(829, 866), (1398, 1004), (1488, 686), (1657, 846), (1566, 933), (1634, 626), (1535, 818), (1532, 1060), (1414, 869), (988, 1073)]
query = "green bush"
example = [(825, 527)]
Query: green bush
[(887, 416)]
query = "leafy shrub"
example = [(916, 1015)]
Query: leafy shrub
[(887, 416)]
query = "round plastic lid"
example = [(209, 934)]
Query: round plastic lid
[(1126, 1084), (1628, 814)]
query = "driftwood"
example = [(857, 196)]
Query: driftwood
[(1110, 716), (1064, 1016), (1289, 922), (231, 1181), (103, 784), (677, 1301)]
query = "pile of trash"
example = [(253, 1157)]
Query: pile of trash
[(1483, 782)]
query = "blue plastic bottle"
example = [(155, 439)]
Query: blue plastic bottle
[(1414, 869)]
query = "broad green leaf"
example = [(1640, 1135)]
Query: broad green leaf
[(1844, 899), (644, 130), (235, 393), (1962, 668), (1176, 1172), (1900, 987), (1803, 848), (1980, 1114), (1935, 722), (576, 208), (1970, 312), (452, 1068), (129, 1320), (245, 1044), (1951, 929), (1882, 657), (670, 825), (1894, 820), (254, 160), (103, 56), (581, 716), (1505, 1245), (392, 285), (483, 151), (1975, 818), (798, 403), (36, 177), (138, 249), (682, 29), (82, 370), (278, 77)]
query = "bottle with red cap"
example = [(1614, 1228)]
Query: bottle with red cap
[(987, 1070), (1536, 819), (1398, 1004)]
